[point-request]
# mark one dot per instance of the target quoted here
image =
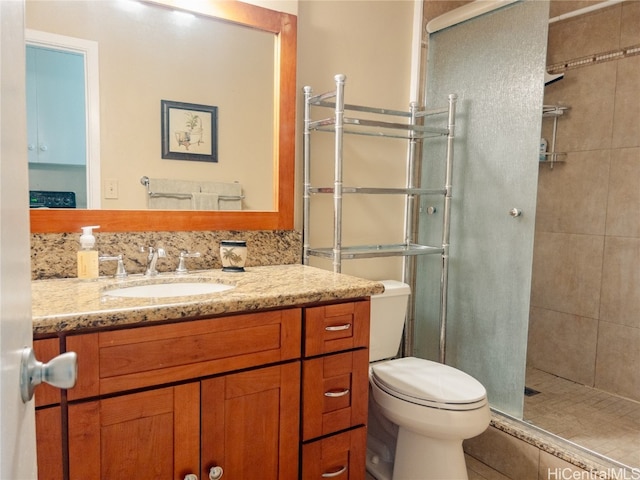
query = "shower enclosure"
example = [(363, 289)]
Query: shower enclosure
[(495, 63)]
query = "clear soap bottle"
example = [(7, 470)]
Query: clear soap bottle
[(88, 255)]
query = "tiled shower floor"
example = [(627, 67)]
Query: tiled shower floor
[(604, 423)]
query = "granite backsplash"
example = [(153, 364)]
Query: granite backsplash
[(53, 255)]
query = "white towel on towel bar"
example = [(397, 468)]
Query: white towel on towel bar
[(171, 194), (225, 190), (204, 201)]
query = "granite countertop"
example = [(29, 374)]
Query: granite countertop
[(72, 304)]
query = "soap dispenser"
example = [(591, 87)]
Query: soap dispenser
[(87, 255)]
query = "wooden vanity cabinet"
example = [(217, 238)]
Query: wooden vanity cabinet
[(170, 400), (273, 395), (335, 391)]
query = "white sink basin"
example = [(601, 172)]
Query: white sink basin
[(160, 290)]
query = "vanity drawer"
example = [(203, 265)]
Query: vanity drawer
[(45, 350), (134, 358), (340, 456), (335, 392), (334, 328)]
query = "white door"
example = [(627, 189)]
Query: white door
[(17, 420)]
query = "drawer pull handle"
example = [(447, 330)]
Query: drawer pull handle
[(334, 394), (337, 473), (338, 328)]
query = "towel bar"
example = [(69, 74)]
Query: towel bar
[(145, 181)]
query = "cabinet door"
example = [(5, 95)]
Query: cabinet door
[(56, 96), (147, 435), (49, 419), (250, 424), (49, 443)]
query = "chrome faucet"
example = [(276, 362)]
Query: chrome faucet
[(152, 259), (120, 270), (182, 269)]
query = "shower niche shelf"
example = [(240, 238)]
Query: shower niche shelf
[(552, 157), (378, 122)]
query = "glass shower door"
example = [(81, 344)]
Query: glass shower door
[(495, 63)]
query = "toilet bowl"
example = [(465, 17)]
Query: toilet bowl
[(419, 411)]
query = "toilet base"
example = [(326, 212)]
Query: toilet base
[(422, 458), (378, 467)]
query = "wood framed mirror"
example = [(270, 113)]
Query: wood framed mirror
[(284, 27)]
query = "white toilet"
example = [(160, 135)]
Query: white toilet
[(419, 411)]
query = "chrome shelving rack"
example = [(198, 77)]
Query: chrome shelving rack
[(404, 125), (339, 124)]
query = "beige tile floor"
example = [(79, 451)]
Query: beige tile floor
[(476, 470), (601, 422)]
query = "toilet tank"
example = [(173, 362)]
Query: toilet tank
[(388, 312)]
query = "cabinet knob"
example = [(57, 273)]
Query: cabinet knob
[(60, 372), (215, 473), (335, 473), (191, 476), (44, 148), (515, 212)]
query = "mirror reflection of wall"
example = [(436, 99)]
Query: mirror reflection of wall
[(148, 54), (56, 127)]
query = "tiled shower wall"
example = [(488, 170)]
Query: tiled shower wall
[(585, 300)]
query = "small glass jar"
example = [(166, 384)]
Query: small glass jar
[(233, 255)]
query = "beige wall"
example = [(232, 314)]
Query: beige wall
[(585, 299), (369, 42)]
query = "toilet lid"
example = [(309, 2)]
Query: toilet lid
[(424, 380)]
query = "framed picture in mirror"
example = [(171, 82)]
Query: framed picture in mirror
[(189, 131)]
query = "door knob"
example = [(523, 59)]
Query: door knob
[(60, 372)]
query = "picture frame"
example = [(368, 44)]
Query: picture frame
[(189, 131)]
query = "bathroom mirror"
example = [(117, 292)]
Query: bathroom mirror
[(282, 27)]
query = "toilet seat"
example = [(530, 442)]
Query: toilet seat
[(429, 384)]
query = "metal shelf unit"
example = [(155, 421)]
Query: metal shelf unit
[(405, 125)]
